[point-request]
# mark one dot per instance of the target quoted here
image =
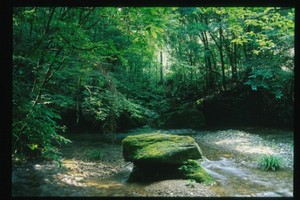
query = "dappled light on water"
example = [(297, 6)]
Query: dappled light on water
[(244, 146)]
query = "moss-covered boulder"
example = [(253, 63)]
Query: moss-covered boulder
[(192, 170), (160, 148), (162, 156)]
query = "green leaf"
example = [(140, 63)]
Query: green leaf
[(153, 33), (33, 146), (256, 52)]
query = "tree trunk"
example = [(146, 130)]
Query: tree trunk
[(161, 68), (208, 63), (231, 54), (192, 64), (51, 10), (234, 65), (222, 59)]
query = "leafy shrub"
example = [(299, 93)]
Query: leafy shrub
[(37, 134), (270, 162)]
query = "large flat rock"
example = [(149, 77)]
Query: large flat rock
[(159, 148)]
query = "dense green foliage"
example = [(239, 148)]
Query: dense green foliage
[(271, 162), (109, 68)]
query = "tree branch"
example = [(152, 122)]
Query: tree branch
[(76, 47), (49, 20)]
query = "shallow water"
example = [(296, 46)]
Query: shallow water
[(232, 178), (235, 179), (117, 186)]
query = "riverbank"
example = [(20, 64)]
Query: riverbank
[(92, 167)]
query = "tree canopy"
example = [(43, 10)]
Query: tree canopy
[(105, 65)]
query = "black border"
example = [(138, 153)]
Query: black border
[(155, 3), (6, 10)]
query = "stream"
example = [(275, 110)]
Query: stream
[(233, 178), (238, 180)]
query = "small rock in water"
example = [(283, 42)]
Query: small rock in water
[(78, 178), (37, 167), (243, 163)]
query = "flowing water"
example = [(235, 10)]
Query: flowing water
[(232, 179)]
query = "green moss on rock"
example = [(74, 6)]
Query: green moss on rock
[(192, 170), (160, 148)]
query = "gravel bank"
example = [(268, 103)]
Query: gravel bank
[(179, 188), (251, 146)]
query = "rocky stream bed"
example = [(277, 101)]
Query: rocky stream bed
[(92, 167)]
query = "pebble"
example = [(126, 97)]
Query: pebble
[(178, 188), (78, 178), (37, 167)]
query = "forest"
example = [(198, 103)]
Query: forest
[(109, 70)]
